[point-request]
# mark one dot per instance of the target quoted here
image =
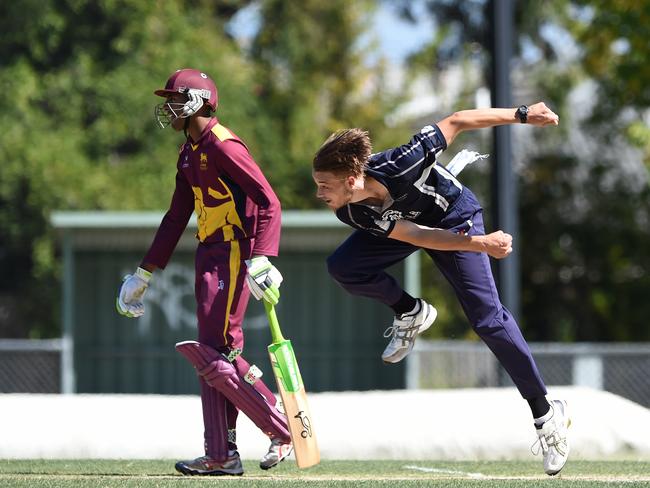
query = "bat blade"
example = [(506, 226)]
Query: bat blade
[(294, 399)]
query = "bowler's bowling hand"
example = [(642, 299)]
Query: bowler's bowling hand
[(498, 244), (540, 115)]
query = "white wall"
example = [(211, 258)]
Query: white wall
[(419, 425)]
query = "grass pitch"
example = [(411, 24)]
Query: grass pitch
[(394, 474)]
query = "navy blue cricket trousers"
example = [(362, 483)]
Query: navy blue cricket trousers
[(358, 266)]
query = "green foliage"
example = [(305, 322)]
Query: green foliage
[(587, 278), (78, 77), (583, 222), (79, 133), (314, 79), (614, 36), (463, 29)]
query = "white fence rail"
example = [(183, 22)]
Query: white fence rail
[(40, 366), (620, 368)]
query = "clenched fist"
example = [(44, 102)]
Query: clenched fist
[(497, 244), (540, 115)]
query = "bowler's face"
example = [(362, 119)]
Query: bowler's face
[(335, 190)]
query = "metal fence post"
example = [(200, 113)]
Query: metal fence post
[(413, 286), (67, 343), (588, 371)]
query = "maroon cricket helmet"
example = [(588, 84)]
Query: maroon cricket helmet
[(186, 79)]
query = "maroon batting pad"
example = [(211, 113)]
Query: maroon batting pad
[(219, 373)]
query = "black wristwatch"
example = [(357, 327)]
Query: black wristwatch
[(522, 113)]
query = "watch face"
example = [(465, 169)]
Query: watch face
[(522, 113)]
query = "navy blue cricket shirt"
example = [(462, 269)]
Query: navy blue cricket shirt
[(419, 189)]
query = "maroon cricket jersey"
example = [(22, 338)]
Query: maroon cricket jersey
[(217, 177)]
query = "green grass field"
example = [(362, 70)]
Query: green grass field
[(160, 473)]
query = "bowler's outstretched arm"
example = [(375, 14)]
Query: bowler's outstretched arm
[(538, 115)]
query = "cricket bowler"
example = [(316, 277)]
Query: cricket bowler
[(238, 218), (402, 200)]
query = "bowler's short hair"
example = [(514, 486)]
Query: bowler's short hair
[(345, 153)]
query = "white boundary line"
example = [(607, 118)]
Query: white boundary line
[(445, 471)]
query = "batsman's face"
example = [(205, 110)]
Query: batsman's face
[(173, 108), (333, 189)]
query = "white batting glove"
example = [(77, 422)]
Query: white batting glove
[(129, 301), (263, 279)]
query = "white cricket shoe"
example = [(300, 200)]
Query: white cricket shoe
[(552, 438), (405, 329), (278, 451)]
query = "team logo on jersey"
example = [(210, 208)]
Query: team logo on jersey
[(392, 215), (204, 162), (185, 163), (413, 214)]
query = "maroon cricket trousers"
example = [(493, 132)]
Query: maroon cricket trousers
[(221, 297)]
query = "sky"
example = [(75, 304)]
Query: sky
[(397, 38)]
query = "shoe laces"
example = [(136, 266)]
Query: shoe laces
[(401, 330), (545, 441), (539, 445)]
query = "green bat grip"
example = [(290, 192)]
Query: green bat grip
[(276, 333), (283, 358)]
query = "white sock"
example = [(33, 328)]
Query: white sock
[(544, 418)]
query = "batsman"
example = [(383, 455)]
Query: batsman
[(238, 217)]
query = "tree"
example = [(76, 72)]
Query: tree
[(583, 203), (80, 135), (614, 38), (314, 77)]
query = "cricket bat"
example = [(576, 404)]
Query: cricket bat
[(292, 391)]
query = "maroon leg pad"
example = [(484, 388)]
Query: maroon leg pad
[(242, 366), (215, 407), (220, 374)]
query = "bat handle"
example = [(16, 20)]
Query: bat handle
[(276, 333)]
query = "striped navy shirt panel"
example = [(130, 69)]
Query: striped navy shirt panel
[(423, 148), (420, 189), (366, 218)]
